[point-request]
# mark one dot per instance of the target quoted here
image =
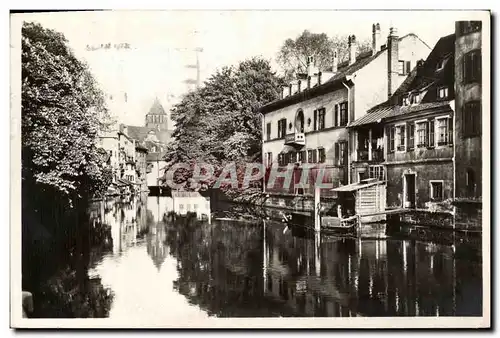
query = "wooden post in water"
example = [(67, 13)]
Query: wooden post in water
[(317, 208)]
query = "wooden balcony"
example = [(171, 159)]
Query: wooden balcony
[(295, 139)]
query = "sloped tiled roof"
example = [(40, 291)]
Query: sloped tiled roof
[(427, 78), (138, 133), (344, 70), (384, 109)]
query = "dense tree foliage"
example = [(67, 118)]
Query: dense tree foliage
[(293, 54), (219, 123), (62, 112)]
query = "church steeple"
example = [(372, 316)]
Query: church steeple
[(157, 117)]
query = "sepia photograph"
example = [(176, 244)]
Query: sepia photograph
[(250, 169)]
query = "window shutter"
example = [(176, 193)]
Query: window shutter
[(337, 153), (408, 132), (315, 120), (388, 137), (336, 117), (408, 67), (431, 133), (450, 131)]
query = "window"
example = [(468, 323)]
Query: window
[(311, 156), (321, 155), (340, 152), (470, 183), (431, 133), (472, 66), (411, 136), (343, 152), (443, 92), (400, 139), (442, 131), (303, 156), (390, 138), (377, 171), (406, 100), (269, 159), (414, 98), (471, 119), (404, 67), (292, 157), (281, 159), (422, 134), (436, 190), (268, 131), (321, 118), (281, 128), (466, 27), (343, 114)]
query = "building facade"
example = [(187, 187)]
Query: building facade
[(307, 125), (410, 136), (468, 93), (141, 165)]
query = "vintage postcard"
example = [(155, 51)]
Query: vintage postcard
[(250, 169)]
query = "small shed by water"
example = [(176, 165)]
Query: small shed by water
[(362, 198)]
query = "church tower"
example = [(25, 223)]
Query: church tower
[(156, 117)]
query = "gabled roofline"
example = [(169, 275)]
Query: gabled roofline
[(307, 94)]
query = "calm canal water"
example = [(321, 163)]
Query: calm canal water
[(157, 266)]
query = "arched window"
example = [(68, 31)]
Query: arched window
[(299, 121), (470, 183)]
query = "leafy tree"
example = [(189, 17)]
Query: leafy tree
[(62, 112), (293, 54), (219, 122)]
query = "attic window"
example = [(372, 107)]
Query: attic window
[(443, 92), (406, 100)]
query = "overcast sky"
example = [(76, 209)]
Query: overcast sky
[(162, 42)]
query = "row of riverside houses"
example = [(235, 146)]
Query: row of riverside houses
[(134, 152), (400, 113)]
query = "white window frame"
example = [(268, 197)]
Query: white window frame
[(431, 190), (436, 131), (416, 144), (397, 139), (445, 90)]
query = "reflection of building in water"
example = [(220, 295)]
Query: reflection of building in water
[(159, 206), (346, 277), (184, 202), (156, 245)]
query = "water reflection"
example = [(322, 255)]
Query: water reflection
[(204, 266)]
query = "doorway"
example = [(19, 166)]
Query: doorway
[(409, 191)]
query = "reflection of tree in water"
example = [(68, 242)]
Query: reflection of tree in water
[(220, 266), (64, 288)]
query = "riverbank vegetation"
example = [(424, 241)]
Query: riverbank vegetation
[(62, 111)]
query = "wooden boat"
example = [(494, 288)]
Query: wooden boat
[(340, 226)]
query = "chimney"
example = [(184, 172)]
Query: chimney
[(283, 92), (335, 62), (308, 82), (353, 48), (376, 37), (290, 89), (299, 85), (310, 65), (319, 78), (392, 61)]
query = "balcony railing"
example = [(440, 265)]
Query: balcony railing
[(295, 138)]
